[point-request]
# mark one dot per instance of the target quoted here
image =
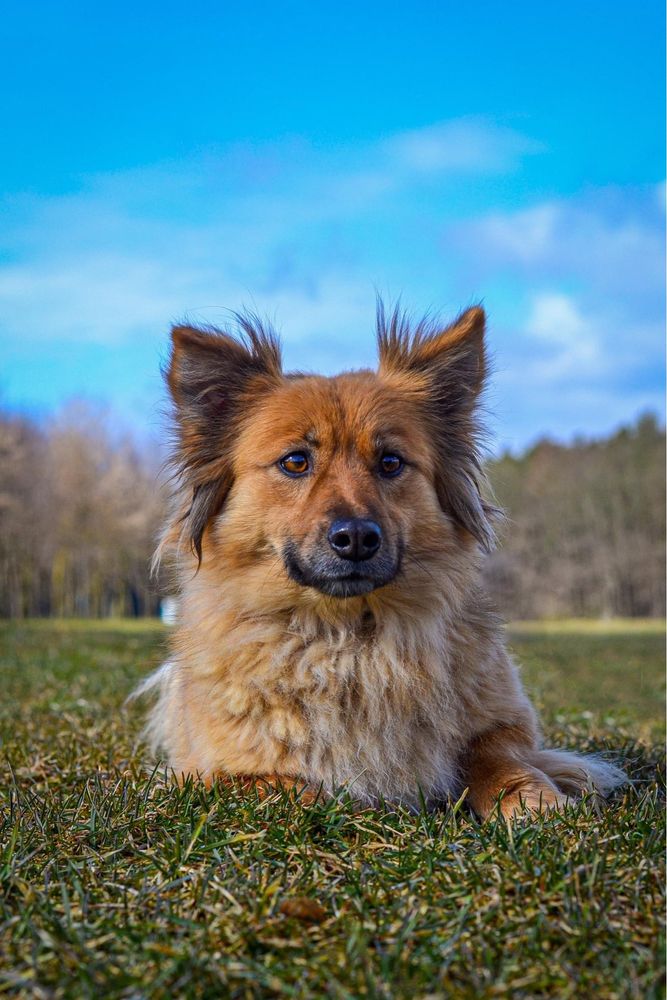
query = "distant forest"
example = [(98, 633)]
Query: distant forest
[(585, 529), (80, 507)]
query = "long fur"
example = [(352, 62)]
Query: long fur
[(402, 693)]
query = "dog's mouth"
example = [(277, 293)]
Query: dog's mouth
[(340, 579)]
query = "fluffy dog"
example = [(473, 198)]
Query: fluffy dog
[(327, 535)]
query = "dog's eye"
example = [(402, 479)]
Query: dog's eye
[(295, 464), (391, 465)]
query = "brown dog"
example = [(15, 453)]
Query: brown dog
[(327, 535)]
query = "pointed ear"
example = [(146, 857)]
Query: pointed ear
[(214, 379), (452, 360), (446, 369)]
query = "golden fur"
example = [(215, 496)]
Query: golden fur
[(401, 691)]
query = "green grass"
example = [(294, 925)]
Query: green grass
[(612, 673), (116, 884)]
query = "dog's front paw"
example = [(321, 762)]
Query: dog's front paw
[(532, 793)]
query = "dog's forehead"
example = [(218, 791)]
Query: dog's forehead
[(354, 406)]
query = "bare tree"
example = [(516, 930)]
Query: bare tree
[(80, 508), (586, 533), (79, 511)]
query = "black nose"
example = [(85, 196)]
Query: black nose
[(355, 538)]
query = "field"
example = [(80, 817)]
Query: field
[(115, 884)]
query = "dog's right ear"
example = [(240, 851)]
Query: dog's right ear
[(445, 368), (213, 380)]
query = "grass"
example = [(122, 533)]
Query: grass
[(115, 884), (610, 673)]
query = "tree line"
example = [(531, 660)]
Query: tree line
[(585, 529), (80, 508)]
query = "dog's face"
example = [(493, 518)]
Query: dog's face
[(337, 476), (340, 484)]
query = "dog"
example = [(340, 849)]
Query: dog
[(328, 536)]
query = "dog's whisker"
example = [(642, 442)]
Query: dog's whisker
[(412, 558)]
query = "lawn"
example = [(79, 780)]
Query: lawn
[(115, 884)]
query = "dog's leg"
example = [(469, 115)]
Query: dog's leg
[(498, 762), (508, 760)]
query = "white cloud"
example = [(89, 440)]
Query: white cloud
[(556, 320), (575, 289), (523, 237), (573, 286), (470, 145), (610, 241), (281, 227), (102, 299)]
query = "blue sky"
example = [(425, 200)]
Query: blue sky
[(162, 161)]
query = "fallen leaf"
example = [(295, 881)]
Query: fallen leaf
[(303, 908)]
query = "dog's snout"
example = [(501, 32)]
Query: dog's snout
[(355, 538)]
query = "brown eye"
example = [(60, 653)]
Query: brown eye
[(391, 465), (295, 464)]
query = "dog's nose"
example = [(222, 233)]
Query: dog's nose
[(355, 538)]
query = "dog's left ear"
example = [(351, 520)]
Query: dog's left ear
[(446, 369)]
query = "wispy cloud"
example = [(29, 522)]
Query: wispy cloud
[(276, 225), (470, 145), (580, 327), (306, 236), (609, 241), (572, 340)]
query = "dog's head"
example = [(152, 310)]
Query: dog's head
[(341, 485)]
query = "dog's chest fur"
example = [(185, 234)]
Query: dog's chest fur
[(377, 706), (358, 705)]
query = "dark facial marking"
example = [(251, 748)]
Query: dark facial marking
[(338, 577)]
